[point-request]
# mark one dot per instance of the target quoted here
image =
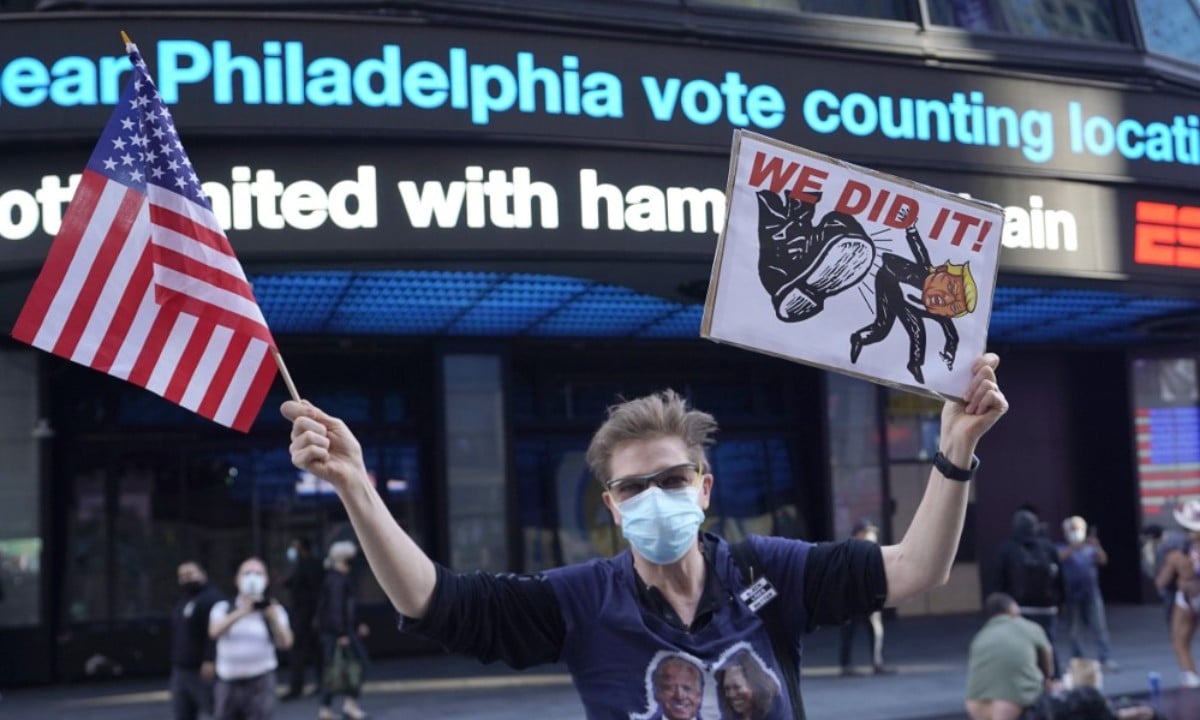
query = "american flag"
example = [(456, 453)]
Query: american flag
[(141, 282)]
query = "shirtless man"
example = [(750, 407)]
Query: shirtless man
[(1182, 567)]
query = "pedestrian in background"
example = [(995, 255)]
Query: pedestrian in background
[(1029, 572), (1181, 569), (248, 632), (1010, 663), (192, 650), (303, 582), (1081, 557), (344, 654), (1156, 542), (864, 530)]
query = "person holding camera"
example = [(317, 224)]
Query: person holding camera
[(247, 633)]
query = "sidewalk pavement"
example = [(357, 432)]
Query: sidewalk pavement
[(928, 653)]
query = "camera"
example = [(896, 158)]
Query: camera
[(262, 604)]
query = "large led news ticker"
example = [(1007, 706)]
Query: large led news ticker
[(387, 201), (264, 76)]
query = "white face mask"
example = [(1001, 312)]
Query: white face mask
[(662, 524), (1076, 536), (252, 583), (870, 537)]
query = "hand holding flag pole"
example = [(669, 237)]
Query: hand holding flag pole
[(141, 282)]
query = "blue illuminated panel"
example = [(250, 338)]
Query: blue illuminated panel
[(491, 304)]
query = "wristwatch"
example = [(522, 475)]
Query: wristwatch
[(952, 471)]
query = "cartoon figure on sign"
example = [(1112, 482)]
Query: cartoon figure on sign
[(678, 687), (801, 263), (947, 291), (745, 689)]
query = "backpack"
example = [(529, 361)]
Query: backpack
[(1033, 575)]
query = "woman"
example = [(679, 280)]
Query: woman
[(745, 691), (335, 618), (247, 633)]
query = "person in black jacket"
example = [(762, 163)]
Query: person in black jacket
[(336, 618), (1030, 573), (303, 582), (192, 651)]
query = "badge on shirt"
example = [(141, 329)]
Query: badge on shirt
[(760, 592)]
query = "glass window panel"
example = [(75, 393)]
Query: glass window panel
[(1089, 20), (1171, 27), (886, 9), (473, 394), (86, 596), (753, 490), (21, 433), (913, 425), (535, 498), (563, 516), (144, 547), (20, 578), (857, 476)]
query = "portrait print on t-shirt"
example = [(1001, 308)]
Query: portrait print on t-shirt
[(738, 686), (746, 688)]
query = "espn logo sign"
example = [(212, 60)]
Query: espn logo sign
[(1167, 235)]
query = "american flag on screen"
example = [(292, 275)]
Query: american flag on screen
[(141, 282)]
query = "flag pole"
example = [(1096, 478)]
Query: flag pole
[(287, 378), (125, 38)]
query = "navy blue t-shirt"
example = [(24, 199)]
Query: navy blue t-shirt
[(1080, 574), (629, 657)]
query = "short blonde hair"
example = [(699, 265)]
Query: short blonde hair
[(662, 414), (970, 290)]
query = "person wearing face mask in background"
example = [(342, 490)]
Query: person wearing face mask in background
[(192, 650), (1081, 557), (341, 632), (303, 583), (866, 531), (676, 589), (247, 633)]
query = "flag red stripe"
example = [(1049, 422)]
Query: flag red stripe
[(1183, 489), (223, 376), (171, 220), (256, 393), (207, 311), (124, 313), (101, 267), (1160, 475), (152, 348), (62, 251), (205, 273), (189, 359)]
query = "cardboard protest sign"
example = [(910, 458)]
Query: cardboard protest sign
[(852, 270)]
